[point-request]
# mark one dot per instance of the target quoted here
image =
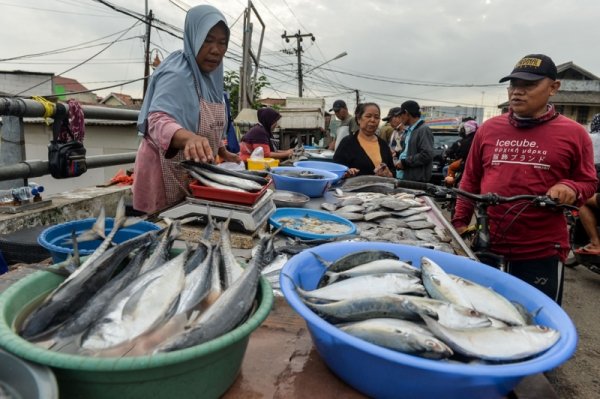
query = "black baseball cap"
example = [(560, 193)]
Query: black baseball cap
[(337, 105), (533, 67), (412, 107), (393, 112)]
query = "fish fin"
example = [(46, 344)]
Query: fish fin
[(99, 226), (120, 217), (130, 221)]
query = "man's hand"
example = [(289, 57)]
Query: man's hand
[(562, 193)]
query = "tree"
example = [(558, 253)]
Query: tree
[(232, 85)]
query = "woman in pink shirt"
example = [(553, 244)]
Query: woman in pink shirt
[(183, 115), (260, 136)]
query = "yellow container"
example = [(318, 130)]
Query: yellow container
[(261, 164)]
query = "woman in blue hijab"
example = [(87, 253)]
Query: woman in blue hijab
[(183, 115)]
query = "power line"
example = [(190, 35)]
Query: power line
[(81, 63)]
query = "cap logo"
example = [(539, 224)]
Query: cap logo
[(529, 62)]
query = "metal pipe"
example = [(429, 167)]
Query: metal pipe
[(24, 107), (36, 168)]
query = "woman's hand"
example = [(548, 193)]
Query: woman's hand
[(383, 170), (195, 147), (227, 156), (351, 172)]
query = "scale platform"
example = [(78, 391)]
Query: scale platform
[(246, 218)]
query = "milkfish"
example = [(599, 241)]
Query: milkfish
[(400, 335), (364, 286), (496, 344), (353, 259), (378, 266)]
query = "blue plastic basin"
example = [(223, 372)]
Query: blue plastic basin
[(54, 238), (382, 373), (310, 187), (338, 169)]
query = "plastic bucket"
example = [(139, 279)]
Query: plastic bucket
[(383, 373), (309, 187), (55, 239), (202, 371), (338, 169), (25, 379)]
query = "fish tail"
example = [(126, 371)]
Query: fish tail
[(321, 260)]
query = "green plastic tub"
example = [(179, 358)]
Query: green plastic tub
[(202, 371)]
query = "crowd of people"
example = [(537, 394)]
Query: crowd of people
[(532, 149)]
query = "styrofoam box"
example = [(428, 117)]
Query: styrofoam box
[(301, 118)]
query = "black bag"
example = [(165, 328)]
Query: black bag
[(65, 158)]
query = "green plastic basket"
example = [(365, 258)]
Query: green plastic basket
[(202, 371)]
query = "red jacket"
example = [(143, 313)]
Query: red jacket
[(511, 161)]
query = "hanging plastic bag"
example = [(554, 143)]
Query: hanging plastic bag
[(258, 153)]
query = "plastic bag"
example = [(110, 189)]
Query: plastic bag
[(258, 153)]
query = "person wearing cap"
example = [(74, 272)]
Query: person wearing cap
[(363, 152), (534, 150), (348, 124), (415, 160), (392, 131)]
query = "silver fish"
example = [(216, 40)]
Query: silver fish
[(489, 302), (211, 183), (228, 310), (350, 215), (351, 209), (440, 286), (328, 206), (197, 281), (376, 215), (230, 181), (379, 266), (400, 335), (72, 295), (160, 254), (231, 269), (143, 305), (353, 259), (496, 344), (363, 286)]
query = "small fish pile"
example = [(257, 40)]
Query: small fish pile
[(314, 225), (396, 217), (224, 179), (424, 311), (301, 174), (154, 302)]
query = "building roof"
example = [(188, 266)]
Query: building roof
[(569, 70), (70, 85)]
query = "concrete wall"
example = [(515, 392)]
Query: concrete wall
[(14, 83)]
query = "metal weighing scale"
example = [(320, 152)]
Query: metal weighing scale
[(246, 218)]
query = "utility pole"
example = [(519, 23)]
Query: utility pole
[(357, 97), (298, 50), (147, 55)]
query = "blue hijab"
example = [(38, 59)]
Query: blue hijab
[(172, 89)]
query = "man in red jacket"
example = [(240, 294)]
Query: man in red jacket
[(530, 150)]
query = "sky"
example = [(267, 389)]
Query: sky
[(437, 52)]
